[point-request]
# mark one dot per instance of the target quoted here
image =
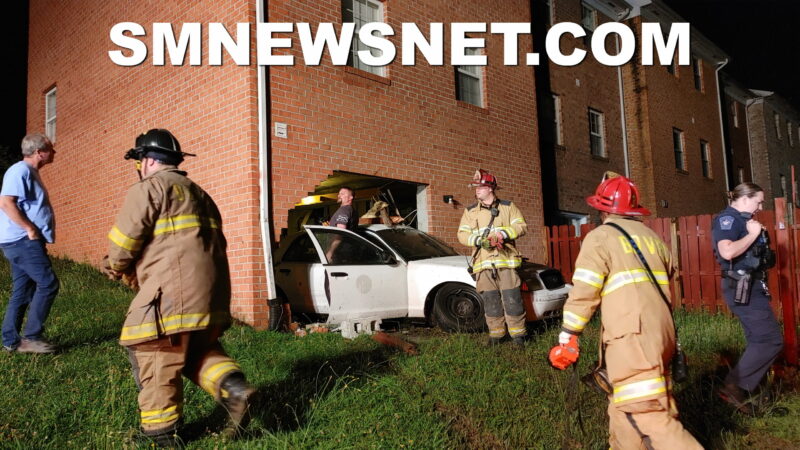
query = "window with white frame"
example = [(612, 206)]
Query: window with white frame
[(789, 133), (697, 70), (705, 158), (469, 81), (557, 123), (735, 113), (596, 133), (50, 114), (777, 124), (677, 146), (361, 12), (589, 21)]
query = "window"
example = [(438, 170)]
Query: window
[(741, 175), (589, 22), (361, 12), (783, 185), (777, 124), (697, 69), (705, 157), (557, 123), (50, 114), (789, 133), (572, 219), (302, 251), (596, 133), (469, 81), (735, 114), (345, 249), (677, 145)]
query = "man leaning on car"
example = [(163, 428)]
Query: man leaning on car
[(490, 226)]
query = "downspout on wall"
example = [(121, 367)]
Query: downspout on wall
[(721, 126), (622, 121), (264, 136)]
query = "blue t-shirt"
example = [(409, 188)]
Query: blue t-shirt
[(728, 225), (22, 181)]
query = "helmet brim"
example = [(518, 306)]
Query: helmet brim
[(596, 202)]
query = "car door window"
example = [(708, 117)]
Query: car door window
[(342, 248), (302, 250)]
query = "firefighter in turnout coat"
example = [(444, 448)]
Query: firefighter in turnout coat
[(168, 236), (637, 328), (495, 258)]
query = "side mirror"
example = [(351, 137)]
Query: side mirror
[(389, 259)]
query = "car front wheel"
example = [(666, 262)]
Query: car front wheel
[(458, 307)]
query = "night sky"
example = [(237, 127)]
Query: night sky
[(761, 36)]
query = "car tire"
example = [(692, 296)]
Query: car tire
[(458, 307)]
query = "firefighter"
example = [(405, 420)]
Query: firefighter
[(490, 227), (168, 236), (638, 333), (742, 253)]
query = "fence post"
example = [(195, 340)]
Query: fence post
[(677, 287), (786, 249)]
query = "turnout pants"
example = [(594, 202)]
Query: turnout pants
[(157, 369), (642, 412), (502, 302), (761, 331)]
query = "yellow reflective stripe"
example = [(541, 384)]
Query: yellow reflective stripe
[(498, 263), (589, 277), (517, 220), (626, 277), (170, 224), (160, 415), (497, 332), (574, 321), (465, 228), (170, 323), (640, 389), (210, 376), (510, 232), (515, 331), (122, 240)]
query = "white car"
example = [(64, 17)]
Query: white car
[(395, 272)]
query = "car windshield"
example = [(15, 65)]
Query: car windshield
[(413, 244)]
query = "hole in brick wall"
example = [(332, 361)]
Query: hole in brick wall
[(320, 204)]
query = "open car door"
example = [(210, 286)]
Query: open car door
[(363, 280)]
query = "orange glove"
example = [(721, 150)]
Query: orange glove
[(496, 240), (564, 355)]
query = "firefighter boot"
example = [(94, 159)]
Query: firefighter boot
[(164, 438), (235, 393)]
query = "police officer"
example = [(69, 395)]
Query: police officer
[(490, 227), (740, 251), (638, 332), (168, 235)]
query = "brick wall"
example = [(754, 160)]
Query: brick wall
[(406, 126), (738, 140), (778, 153), (587, 85), (656, 102)]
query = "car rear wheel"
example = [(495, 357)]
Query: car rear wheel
[(458, 307)]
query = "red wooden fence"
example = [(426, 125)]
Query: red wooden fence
[(698, 286)]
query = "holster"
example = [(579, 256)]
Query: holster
[(743, 285)]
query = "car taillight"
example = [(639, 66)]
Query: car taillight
[(524, 287)]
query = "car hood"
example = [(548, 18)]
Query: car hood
[(446, 268)]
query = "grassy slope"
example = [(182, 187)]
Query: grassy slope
[(325, 392)]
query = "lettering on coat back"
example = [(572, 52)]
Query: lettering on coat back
[(647, 244)]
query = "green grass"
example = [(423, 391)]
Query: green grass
[(323, 391)]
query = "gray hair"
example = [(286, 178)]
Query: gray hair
[(33, 142)]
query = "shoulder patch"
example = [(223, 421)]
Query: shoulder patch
[(505, 202), (726, 222), (472, 206)]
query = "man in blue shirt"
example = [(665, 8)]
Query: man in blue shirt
[(26, 225)]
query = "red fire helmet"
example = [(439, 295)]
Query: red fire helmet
[(483, 178), (617, 195)]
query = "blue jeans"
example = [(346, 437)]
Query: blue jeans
[(34, 286)]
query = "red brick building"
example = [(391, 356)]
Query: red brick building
[(426, 126), (774, 127), (737, 139), (674, 125)]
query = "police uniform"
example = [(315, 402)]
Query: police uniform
[(761, 329), (638, 331), (497, 280), (170, 232)]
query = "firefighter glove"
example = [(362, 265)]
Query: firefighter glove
[(564, 355), (496, 240), (484, 243)]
